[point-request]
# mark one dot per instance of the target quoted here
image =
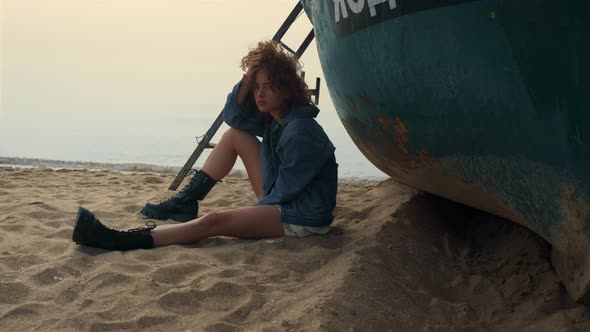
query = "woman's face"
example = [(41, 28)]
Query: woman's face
[(268, 98)]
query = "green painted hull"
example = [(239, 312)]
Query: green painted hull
[(482, 102)]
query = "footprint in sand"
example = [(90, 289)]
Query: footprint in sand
[(177, 273), (254, 302), (228, 258), (185, 301), (139, 324), (13, 292), (54, 224), (53, 275), (220, 297), (67, 296), (127, 268), (29, 312), (110, 283), (17, 228), (15, 262)]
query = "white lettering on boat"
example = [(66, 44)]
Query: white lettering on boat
[(340, 7), (350, 16), (373, 3), (357, 6)]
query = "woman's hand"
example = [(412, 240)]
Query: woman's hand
[(255, 60)]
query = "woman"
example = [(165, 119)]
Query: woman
[(293, 171)]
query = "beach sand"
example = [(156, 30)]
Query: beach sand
[(396, 260)]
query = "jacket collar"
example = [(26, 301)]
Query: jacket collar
[(300, 112)]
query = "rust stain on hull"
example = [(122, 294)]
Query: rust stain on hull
[(401, 134), (390, 138)]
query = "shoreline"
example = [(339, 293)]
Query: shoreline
[(132, 168)]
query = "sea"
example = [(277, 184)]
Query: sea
[(151, 144)]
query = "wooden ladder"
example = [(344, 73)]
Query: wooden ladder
[(204, 143)]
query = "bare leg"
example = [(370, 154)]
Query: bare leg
[(235, 143), (248, 223)]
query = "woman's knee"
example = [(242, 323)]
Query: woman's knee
[(233, 133), (211, 220), (237, 136)]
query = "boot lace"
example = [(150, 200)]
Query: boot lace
[(149, 225), (190, 182), (186, 187)]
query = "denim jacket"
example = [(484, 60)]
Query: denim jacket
[(299, 169)]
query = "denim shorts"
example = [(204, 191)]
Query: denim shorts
[(293, 230), (302, 231)]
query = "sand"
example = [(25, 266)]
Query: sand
[(395, 260)]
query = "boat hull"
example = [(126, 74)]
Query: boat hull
[(481, 102)]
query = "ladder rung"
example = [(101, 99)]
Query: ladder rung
[(290, 19), (305, 44), (286, 47)]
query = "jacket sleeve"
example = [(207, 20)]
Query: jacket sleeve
[(245, 117), (303, 156)]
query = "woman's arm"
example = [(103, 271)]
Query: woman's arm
[(242, 92), (245, 116), (240, 110)]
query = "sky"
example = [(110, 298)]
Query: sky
[(152, 51), (80, 73)]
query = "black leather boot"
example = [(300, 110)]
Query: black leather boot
[(89, 231), (183, 206)]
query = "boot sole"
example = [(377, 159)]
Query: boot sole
[(175, 216)]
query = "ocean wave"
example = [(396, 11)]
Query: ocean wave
[(141, 167), (64, 164)]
